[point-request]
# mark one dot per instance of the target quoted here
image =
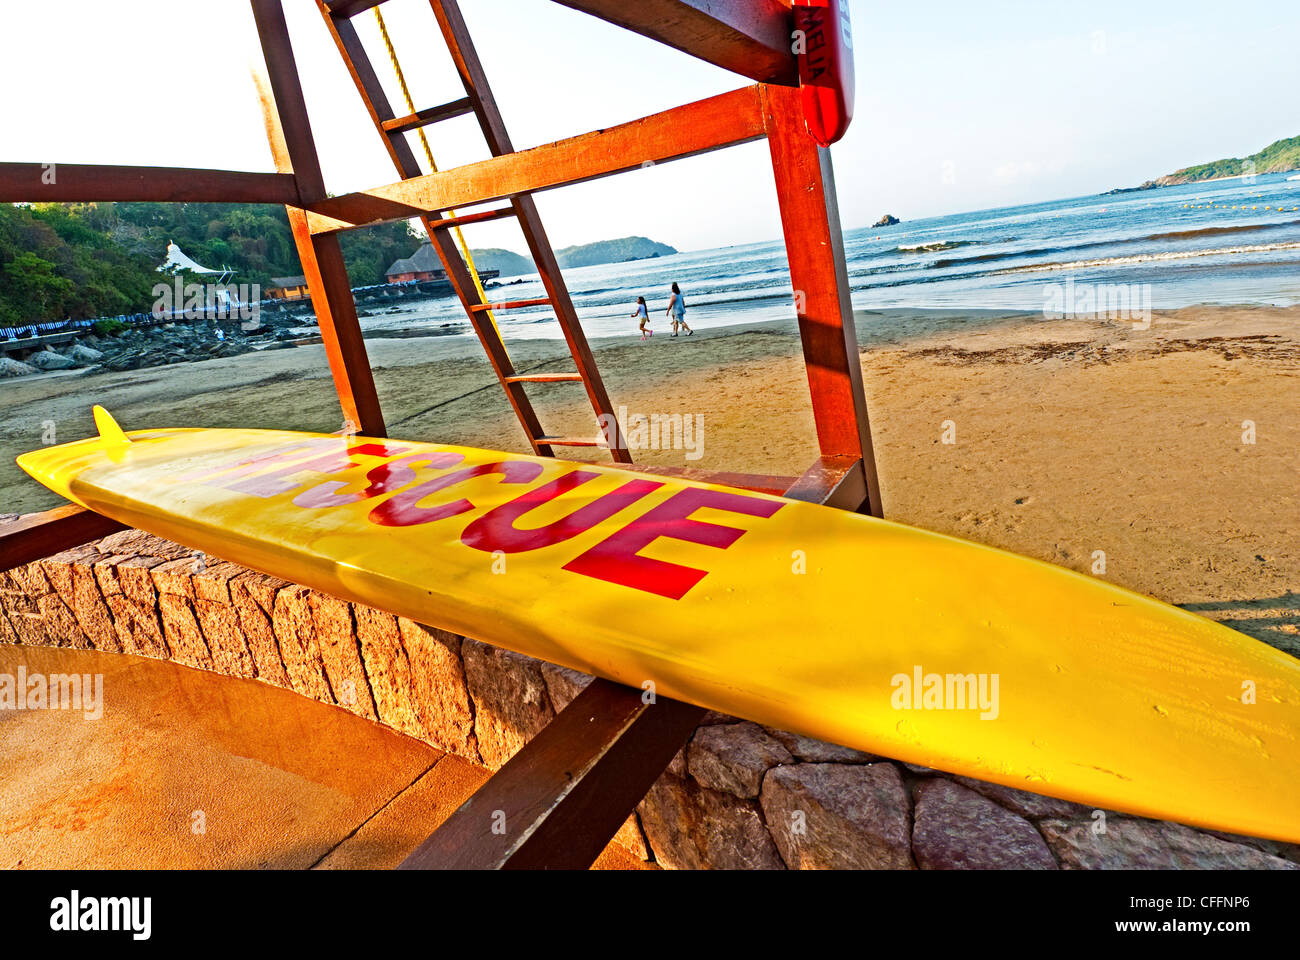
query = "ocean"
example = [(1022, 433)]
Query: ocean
[(1234, 241)]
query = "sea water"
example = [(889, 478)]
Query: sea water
[(1234, 241)]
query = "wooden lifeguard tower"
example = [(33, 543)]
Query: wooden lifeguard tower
[(568, 790)]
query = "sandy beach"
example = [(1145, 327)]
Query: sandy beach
[(1070, 437)]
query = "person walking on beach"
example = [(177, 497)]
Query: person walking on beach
[(677, 311), (643, 315)]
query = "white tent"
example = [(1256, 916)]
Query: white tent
[(177, 260)]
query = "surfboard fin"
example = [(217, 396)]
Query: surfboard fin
[(109, 432)]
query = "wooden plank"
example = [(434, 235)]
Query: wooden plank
[(749, 37), (511, 304), (710, 124), (837, 482), (350, 8), (37, 535), (422, 118), (98, 183), (294, 149), (805, 186), (500, 213), (557, 803), (758, 482)]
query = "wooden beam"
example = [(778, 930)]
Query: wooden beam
[(98, 183), (838, 482), (749, 37), (805, 186), (294, 150), (557, 803), (37, 535), (758, 482), (721, 121)]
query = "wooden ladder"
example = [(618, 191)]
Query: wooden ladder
[(479, 101)]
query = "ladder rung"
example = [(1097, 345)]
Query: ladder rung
[(413, 121), (544, 378), (446, 223), (510, 305), (568, 442), (346, 9)]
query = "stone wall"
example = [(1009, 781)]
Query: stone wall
[(738, 796)]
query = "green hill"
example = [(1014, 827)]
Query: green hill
[(1277, 157), (1280, 156), (622, 250), (509, 263)]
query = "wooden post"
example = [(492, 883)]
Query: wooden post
[(805, 187), (294, 149)]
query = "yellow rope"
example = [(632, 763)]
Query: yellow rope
[(433, 166)]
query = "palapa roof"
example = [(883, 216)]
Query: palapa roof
[(424, 260)]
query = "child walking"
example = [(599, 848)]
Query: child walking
[(643, 315)]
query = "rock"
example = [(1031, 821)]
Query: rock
[(439, 690), (563, 684), (1032, 805), (958, 829), (84, 355), (831, 816), (49, 360), (888, 220), (818, 751), (691, 828), (733, 757), (337, 642), (1131, 844), (253, 597), (9, 367), (511, 705)]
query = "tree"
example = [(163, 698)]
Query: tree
[(34, 281)]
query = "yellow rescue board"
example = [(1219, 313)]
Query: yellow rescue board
[(849, 629)]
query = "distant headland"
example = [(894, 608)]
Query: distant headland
[(622, 250), (1278, 157)]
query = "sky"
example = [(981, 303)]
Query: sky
[(960, 105)]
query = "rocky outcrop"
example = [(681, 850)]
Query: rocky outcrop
[(736, 796), (888, 220)]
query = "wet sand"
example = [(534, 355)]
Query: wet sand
[(1071, 437)]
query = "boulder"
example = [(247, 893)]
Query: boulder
[(84, 355), (9, 367), (958, 829), (1132, 844), (818, 751), (49, 360), (832, 816), (888, 220), (691, 828), (733, 757)]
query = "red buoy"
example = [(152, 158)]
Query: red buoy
[(823, 44)]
